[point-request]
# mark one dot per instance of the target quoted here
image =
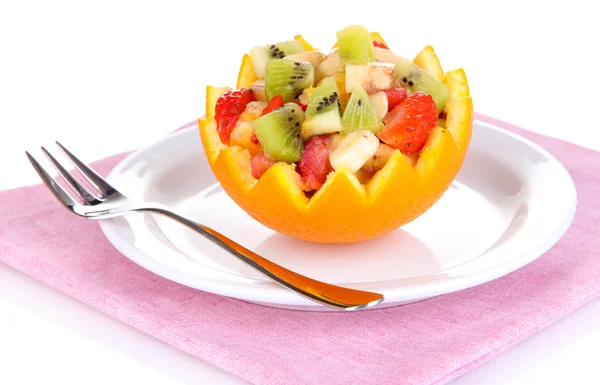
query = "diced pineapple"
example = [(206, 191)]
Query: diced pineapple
[(242, 133), (353, 150), (253, 110), (379, 101), (372, 77), (241, 136), (313, 57)]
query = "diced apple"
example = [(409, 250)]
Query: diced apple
[(354, 150), (372, 77), (313, 57), (379, 100)]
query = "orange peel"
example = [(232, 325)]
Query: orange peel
[(344, 210)]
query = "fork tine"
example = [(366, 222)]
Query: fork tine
[(95, 179), (56, 189), (77, 187)]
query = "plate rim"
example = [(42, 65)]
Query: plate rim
[(274, 295)]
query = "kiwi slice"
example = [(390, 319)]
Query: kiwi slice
[(323, 110), (411, 76), (288, 78), (261, 54), (360, 113), (355, 45), (279, 133)]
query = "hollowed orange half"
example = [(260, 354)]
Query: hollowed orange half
[(344, 210)]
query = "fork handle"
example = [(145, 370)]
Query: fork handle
[(330, 295)]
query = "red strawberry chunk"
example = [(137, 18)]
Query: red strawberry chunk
[(314, 164), (228, 109), (380, 44), (275, 103), (408, 125), (303, 106), (259, 164), (395, 96)]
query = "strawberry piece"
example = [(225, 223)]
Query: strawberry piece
[(228, 109), (254, 139), (395, 96), (408, 125), (314, 164), (380, 44), (259, 164), (275, 103), (303, 106)]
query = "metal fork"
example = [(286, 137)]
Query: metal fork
[(107, 202)]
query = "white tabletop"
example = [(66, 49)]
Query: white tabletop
[(115, 76)]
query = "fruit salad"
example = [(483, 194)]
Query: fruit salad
[(359, 129)]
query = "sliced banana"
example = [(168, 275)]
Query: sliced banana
[(372, 77)]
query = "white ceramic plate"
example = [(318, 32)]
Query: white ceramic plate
[(509, 204)]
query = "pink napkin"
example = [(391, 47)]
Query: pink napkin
[(429, 342)]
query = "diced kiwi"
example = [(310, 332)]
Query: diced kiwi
[(411, 76), (261, 54), (288, 78), (324, 98), (285, 48), (323, 110), (279, 133), (355, 45), (360, 114)]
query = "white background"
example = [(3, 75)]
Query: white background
[(104, 77)]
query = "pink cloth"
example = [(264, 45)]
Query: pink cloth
[(429, 342)]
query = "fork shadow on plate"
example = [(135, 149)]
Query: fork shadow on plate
[(395, 255)]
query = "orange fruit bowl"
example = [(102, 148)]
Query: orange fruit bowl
[(345, 210)]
